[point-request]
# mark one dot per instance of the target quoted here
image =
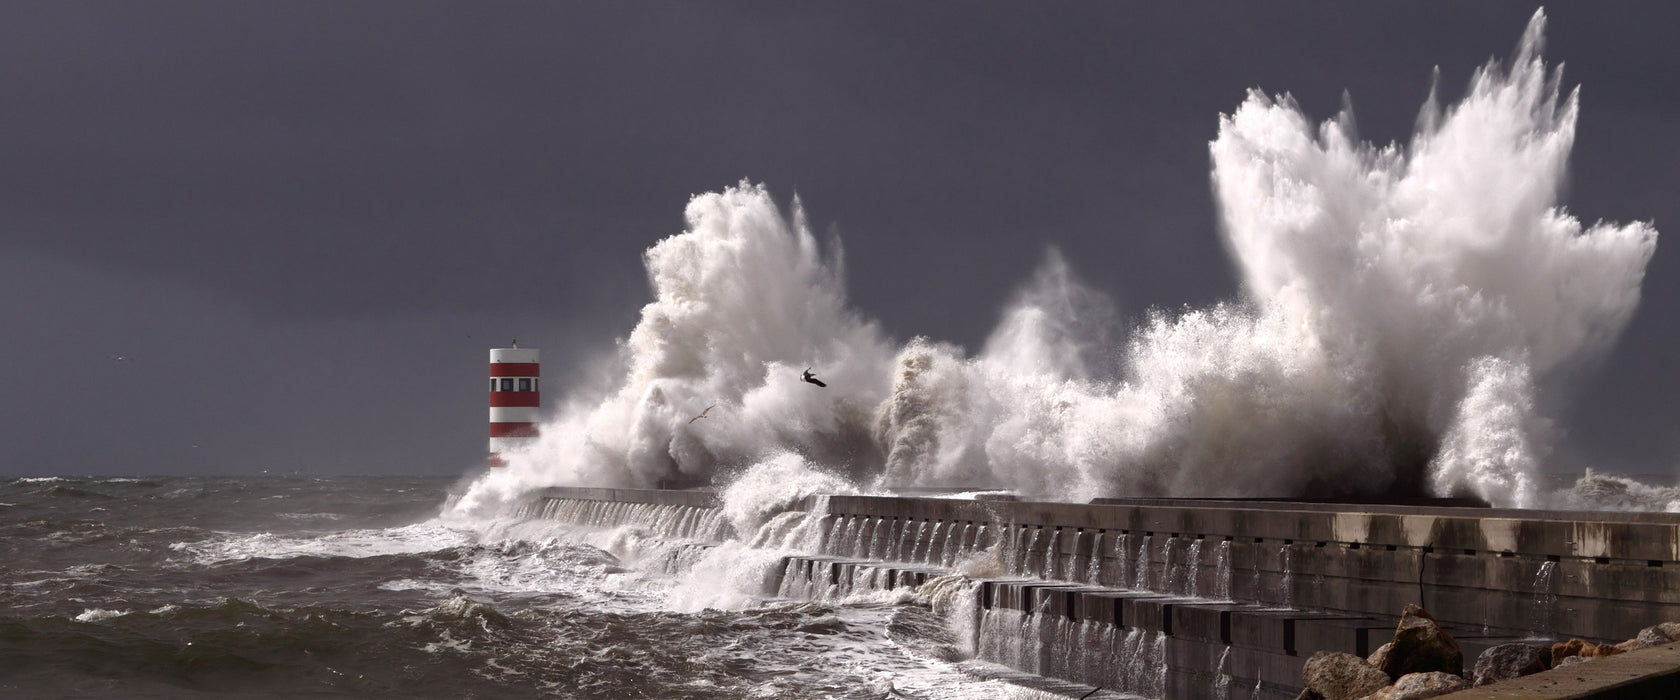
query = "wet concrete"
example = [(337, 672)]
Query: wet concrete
[(1237, 594)]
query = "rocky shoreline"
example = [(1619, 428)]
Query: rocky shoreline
[(1423, 661)]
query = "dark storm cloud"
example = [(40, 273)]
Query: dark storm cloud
[(313, 177), (422, 156)]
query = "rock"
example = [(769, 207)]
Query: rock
[(1670, 630), (1338, 675), (1380, 656), (1602, 650), (1632, 644), (1413, 686), (1572, 660), (1421, 646), (1510, 661), (1655, 635), (1582, 647), (1308, 694), (1564, 650)]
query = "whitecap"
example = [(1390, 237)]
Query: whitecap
[(408, 584), (97, 614), (418, 538), (313, 516)]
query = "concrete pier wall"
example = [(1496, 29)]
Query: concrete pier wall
[(1229, 598)]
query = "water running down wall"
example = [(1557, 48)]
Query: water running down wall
[(1186, 598)]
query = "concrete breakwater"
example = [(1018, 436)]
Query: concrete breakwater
[(1199, 598)]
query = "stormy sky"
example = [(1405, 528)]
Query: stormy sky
[(238, 237)]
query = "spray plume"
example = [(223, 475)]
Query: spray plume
[(1403, 304)]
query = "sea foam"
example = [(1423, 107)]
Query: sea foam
[(1403, 307)]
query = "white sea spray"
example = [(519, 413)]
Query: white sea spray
[(1404, 305)]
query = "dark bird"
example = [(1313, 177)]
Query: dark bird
[(703, 413), (811, 378)]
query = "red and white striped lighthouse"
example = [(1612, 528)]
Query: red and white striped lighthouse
[(515, 395)]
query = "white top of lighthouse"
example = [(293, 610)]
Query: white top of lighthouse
[(513, 354)]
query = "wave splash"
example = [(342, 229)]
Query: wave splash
[(1403, 306)]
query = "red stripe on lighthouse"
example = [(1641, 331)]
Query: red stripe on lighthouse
[(501, 399), (513, 430), (514, 369)]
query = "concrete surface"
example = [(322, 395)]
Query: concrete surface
[(1291, 578)]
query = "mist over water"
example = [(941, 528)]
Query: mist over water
[(1403, 307)]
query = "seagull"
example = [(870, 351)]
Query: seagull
[(121, 358), (812, 378), (703, 413)]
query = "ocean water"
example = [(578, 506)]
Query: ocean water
[(353, 587), (1404, 305)]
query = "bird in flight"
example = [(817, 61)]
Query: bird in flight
[(703, 413), (811, 378)]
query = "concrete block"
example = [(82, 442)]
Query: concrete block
[(1027, 596), (1101, 606), (907, 578), (1271, 629), (1476, 570), (1057, 601), (1206, 621), (1354, 635), (1148, 612), (1350, 595), (1003, 593), (1124, 616), (1194, 669), (1272, 669)]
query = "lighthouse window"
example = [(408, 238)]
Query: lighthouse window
[(492, 383), (507, 384), (525, 384)]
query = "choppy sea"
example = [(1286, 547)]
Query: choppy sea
[(353, 587)]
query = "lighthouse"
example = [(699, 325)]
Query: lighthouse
[(515, 396)]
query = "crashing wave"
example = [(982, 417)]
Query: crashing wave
[(1403, 307), (1608, 492)]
